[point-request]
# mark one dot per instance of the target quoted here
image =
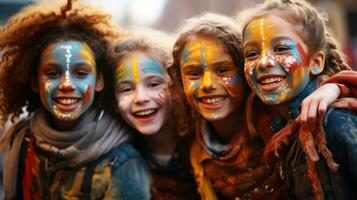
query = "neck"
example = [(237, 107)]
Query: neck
[(163, 141), (282, 110), (229, 126)]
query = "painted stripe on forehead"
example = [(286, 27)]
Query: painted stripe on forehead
[(203, 55), (120, 72), (262, 34), (152, 66), (67, 54), (86, 52), (135, 69)]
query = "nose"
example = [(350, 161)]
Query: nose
[(266, 61), (66, 84), (208, 83), (140, 96)]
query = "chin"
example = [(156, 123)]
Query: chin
[(214, 117), (148, 130)]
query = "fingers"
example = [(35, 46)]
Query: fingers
[(303, 114), (312, 115), (322, 109)]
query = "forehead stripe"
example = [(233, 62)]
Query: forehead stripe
[(135, 69), (262, 34)]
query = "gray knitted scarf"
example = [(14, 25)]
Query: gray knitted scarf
[(95, 135)]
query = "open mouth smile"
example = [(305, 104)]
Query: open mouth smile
[(67, 103), (212, 102), (145, 115), (271, 83)]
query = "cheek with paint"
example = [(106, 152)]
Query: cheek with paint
[(230, 83), (47, 88), (190, 88), (86, 87)]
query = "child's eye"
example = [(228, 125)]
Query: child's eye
[(124, 89), (154, 84), (251, 54), (81, 74), (222, 70), (52, 74), (281, 49), (194, 74)]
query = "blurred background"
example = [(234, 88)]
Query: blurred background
[(168, 15)]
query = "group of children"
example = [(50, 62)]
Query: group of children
[(234, 109)]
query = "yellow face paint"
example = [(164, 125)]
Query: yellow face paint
[(135, 69), (276, 62), (210, 78)]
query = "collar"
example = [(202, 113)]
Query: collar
[(294, 106)]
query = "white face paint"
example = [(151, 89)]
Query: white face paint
[(139, 85)]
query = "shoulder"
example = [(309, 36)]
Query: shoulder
[(340, 126), (340, 120), (124, 153)]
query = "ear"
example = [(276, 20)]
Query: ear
[(34, 84), (99, 85), (318, 63)]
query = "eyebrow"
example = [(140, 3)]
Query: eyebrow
[(278, 38), (192, 65), (250, 43), (224, 63)]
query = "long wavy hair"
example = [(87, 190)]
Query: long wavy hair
[(25, 36), (311, 26), (225, 30)]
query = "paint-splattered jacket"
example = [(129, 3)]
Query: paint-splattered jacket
[(340, 126), (233, 171), (119, 174)]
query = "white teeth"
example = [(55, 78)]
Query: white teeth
[(272, 80), (66, 101), (212, 100), (145, 112)]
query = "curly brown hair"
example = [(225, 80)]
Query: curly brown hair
[(24, 37), (225, 30)]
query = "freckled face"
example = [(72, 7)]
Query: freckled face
[(277, 64), (140, 81), (66, 79), (211, 81)]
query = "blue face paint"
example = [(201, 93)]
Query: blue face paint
[(151, 66), (67, 78)]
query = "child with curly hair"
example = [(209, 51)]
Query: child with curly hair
[(69, 146)]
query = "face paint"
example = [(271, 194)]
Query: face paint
[(276, 62), (139, 89), (67, 78), (211, 81)]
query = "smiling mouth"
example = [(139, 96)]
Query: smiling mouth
[(271, 83), (145, 115), (212, 102), (67, 103)]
